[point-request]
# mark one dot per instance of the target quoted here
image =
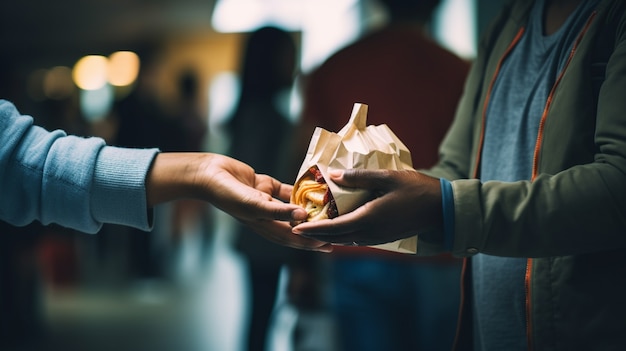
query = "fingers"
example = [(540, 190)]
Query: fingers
[(327, 228), (273, 187), (276, 210), (284, 193), (262, 206), (280, 233), (362, 226), (362, 178)]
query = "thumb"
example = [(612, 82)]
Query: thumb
[(361, 178)]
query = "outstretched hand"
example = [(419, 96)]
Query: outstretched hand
[(405, 203), (233, 187)]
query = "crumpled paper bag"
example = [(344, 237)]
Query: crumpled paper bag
[(358, 145)]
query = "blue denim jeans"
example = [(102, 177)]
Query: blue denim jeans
[(381, 303)]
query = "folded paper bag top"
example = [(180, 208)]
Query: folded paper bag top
[(360, 146)]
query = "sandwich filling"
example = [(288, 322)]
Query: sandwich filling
[(313, 194)]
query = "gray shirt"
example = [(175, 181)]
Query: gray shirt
[(517, 103)]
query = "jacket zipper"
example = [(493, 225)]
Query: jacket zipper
[(550, 96), (529, 338), (535, 172)]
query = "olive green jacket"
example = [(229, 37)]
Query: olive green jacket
[(570, 220)]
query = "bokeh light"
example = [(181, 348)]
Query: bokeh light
[(123, 68), (90, 72), (57, 83)]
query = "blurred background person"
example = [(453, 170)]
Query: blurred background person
[(142, 122), (383, 300), (189, 117), (190, 217), (259, 133)]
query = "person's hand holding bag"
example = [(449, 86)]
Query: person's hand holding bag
[(356, 147), (406, 203)]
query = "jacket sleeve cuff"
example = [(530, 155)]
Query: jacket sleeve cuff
[(470, 238)]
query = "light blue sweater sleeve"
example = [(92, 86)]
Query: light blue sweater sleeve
[(75, 182)]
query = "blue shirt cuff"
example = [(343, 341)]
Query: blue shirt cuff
[(447, 201)]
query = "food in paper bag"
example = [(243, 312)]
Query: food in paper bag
[(356, 145), (314, 195)]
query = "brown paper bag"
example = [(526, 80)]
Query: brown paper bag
[(358, 145)]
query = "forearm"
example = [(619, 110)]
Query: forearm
[(174, 176), (576, 211), (75, 182)]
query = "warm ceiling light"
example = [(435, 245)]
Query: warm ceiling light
[(90, 72), (246, 15), (123, 68)]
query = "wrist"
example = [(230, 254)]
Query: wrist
[(431, 234), (173, 176)]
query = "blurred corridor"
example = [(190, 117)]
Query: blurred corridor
[(200, 308)]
